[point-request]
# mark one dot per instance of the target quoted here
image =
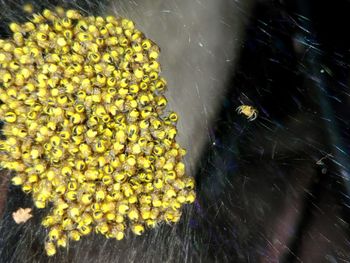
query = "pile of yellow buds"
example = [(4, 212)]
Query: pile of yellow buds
[(86, 127)]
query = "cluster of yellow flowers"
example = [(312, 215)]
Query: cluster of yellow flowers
[(86, 128)]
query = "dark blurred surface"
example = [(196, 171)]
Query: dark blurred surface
[(271, 190)]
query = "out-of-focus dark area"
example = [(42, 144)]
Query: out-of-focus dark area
[(272, 190)]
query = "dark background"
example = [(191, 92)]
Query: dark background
[(263, 193)]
